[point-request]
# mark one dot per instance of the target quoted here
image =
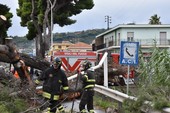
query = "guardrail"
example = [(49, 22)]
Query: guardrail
[(120, 97), (116, 95)]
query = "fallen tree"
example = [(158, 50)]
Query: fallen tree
[(20, 61)]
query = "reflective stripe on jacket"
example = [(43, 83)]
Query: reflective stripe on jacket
[(55, 81), (88, 79), (49, 96)]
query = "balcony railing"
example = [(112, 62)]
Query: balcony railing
[(142, 42), (101, 46), (150, 42)]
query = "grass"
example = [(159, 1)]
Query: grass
[(104, 102)]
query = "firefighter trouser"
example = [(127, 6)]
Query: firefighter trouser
[(87, 99), (54, 103)]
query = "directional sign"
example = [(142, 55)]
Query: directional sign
[(129, 53)]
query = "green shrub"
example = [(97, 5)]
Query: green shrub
[(3, 109), (103, 101), (153, 82), (9, 104), (20, 105)]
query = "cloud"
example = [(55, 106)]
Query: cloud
[(120, 11)]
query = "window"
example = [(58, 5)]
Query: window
[(106, 42), (59, 47), (130, 36), (118, 38), (163, 40)]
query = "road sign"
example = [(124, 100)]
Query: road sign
[(129, 53), (71, 61)]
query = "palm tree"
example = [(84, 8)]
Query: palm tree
[(154, 19)]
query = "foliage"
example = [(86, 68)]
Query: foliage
[(153, 83), (82, 36), (3, 108), (154, 19), (36, 16), (23, 43), (20, 105), (10, 104), (131, 106), (103, 101), (155, 71), (4, 25)]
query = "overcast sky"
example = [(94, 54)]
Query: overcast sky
[(120, 11)]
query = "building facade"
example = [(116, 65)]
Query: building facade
[(80, 47), (68, 46), (61, 46), (147, 35)]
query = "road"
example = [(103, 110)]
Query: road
[(68, 106)]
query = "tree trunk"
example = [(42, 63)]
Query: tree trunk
[(40, 45)]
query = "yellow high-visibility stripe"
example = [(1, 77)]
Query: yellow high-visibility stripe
[(91, 111), (66, 88), (91, 80), (83, 111), (56, 97), (61, 108), (37, 81), (48, 95), (89, 86), (86, 76)]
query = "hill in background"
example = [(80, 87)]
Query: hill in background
[(80, 36), (83, 36)]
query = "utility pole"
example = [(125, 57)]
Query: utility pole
[(108, 20)]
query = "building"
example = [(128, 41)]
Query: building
[(145, 34), (61, 46), (68, 46), (80, 47), (73, 56)]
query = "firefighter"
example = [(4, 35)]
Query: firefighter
[(55, 83), (88, 81)]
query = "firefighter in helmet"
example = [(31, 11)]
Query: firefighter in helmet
[(55, 82), (88, 80)]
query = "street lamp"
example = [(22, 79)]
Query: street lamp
[(51, 25)]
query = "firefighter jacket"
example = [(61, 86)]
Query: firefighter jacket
[(55, 81), (88, 79)]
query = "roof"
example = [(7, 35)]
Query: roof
[(64, 43), (80, 45), (134, 26)]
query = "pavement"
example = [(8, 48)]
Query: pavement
[(68, 105)]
